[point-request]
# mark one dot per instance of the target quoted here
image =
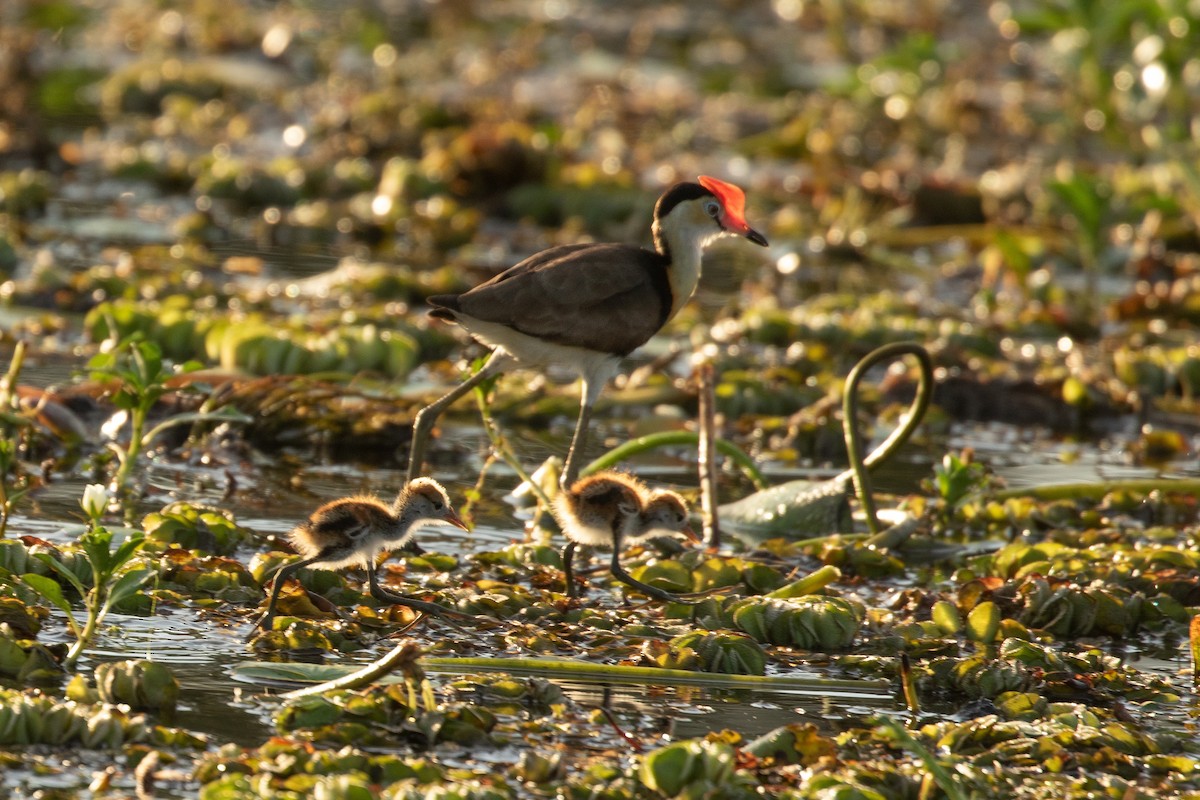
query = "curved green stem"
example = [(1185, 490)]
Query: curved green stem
[(860, 467), (92, 603), (402, 657), (644, 444), (500, 444), (572, 669), (1095, 491)]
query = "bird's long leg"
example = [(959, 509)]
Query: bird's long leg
[(589, 391), (380, 593), (281, 577), (568, 557), (432, 609), (620, 574), (427, 416)]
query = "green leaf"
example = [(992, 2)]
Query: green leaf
[(983, 623), (126, 550), (125, 586), (97, 544), (61, 569), (146, 374), (49, 589), (125, 400), (102, 362), (668, 769)]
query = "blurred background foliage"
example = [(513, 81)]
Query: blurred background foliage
[(1025, 170)]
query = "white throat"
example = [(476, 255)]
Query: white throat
[(685, 241)]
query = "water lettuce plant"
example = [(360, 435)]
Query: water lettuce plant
[(114, 575)]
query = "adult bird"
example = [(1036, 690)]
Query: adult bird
[(613, 509), (587, 306), (353, 531)]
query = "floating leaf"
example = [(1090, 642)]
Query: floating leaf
[(49, 589), (983, 623), (946, 617), (671, 769), (798, 743)]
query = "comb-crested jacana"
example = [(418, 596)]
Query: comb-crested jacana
[(587, 306)]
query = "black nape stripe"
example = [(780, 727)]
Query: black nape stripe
[(679, 193)]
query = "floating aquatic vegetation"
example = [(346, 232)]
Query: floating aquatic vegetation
[(717, 651), (1024, 666), (798, 743), (28, 661), (204, 579), (140, 684), (20, 619), (810, 622), (256, 345), (509, 695), (500, 600), (697, 767), (382, 713), (30, 717), (193, 527), (280, 766), (294, 635)]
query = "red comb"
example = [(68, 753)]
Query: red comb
[(733, 198)]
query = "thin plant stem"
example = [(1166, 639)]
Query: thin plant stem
[(466, 509), (578, 669), (92, 605), (706, 455), (500, 446), (8, 404)]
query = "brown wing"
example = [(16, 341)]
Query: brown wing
[(607, 297)]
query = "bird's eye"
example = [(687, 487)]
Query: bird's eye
[(437, 505), (712, 208)]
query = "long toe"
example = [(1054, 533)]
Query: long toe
[(651, 591)]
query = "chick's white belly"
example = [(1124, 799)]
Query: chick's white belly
[(592, 536), (357, 559)]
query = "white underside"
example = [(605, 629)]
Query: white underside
[(374, 545), (590, 536), (529, 351), (598, 534), (355, 560)]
